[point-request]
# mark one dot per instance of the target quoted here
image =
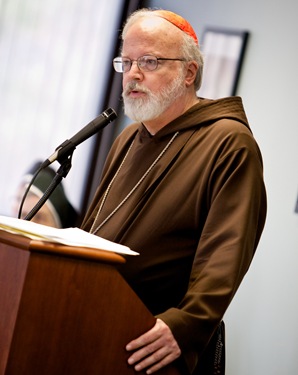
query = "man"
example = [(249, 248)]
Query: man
[(183, 186)]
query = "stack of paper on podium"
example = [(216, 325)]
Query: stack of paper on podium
[(65, 236)]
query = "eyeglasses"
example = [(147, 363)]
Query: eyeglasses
[(145, 63)]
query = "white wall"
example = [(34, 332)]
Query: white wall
[(53, 74), (262, 321)]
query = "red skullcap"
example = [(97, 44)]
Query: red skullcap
[(178, 21)]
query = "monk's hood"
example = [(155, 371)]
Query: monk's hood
[(207, 112)]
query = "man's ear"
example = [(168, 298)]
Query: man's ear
[(191, 73)]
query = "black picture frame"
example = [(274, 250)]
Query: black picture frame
[(223, 51)]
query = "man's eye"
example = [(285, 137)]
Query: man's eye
[(150, 61), (125, 63)]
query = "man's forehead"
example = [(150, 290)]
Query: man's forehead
[(153, 30)]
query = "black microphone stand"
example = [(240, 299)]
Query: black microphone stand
[(63, 154), (62, 172)]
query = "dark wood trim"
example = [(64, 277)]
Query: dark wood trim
[(104, 139)]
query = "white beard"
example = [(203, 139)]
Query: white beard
[(152, 105)]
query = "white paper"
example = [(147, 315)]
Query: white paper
[(68, 236)]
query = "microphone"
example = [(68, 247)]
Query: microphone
[(68, 146)]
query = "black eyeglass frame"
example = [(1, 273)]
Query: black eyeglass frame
[(138, 61)]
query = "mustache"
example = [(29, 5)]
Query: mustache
[(134, 86)]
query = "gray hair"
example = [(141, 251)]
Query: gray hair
[(189, 49)]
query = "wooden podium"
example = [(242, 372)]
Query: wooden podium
[(66, 310)]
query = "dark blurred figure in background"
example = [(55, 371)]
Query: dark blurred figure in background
[(57, 212)]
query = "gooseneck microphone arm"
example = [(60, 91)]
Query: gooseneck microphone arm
[(63, 154), (67, 147), (61, 173)]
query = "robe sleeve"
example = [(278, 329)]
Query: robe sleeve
[(235, 220)]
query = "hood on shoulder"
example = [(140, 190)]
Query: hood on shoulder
[(208, 111)]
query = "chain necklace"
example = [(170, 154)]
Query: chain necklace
[(92, 230)]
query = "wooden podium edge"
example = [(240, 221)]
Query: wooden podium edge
[(25, 243), (77, 252), (12, 239)]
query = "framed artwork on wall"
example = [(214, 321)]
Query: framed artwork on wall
[(223, 51)]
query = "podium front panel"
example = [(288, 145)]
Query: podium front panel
[(71, 316)]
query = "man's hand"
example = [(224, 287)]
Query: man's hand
[(154, 349)]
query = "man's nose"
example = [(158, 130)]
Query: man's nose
[(135, 71)]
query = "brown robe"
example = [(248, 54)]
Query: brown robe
[(196, 218)]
